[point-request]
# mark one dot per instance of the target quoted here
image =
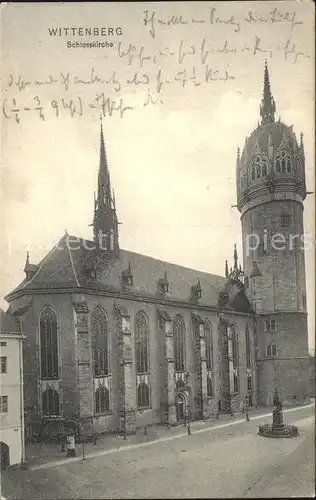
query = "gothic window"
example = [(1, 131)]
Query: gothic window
[(101, 399), (179, 344), (246, 282), (99, 329), (208, 346), (253, 173), (49, 343), (142, 395), (141, 335), (50, 402), (248, 348), (283, 163), (209, 386), (259, 167)]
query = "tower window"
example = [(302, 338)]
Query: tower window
[(270, 325), (259, 167), (271, 350), (285, 221), (283, 163)]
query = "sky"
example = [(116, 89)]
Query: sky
[(192, 72)]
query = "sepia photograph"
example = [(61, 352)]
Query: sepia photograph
[(157, 250)]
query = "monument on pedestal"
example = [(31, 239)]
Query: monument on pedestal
[(277, 429)]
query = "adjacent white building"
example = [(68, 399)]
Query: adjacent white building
[(12, 449)]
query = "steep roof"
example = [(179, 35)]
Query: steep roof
[(7, 323), (68, 263)]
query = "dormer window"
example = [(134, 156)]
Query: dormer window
[(127, 276), (197, 290), (163, 285)]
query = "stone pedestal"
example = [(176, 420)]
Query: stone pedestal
[(277, 420)]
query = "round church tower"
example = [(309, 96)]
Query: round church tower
[(271, 188)]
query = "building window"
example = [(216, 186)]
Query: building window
[(3, 344), (271, 350), (236, 382), (179, 344), (259, 167), (3, 404), (249, 383), (49, 344), (50, 402), (283, 163), (304, 301), (270, 325), (248, 348), (102, 400), (142, 395), (209, 346), (99, 329), (141, 336), (209, 386), (285, 221), (3, 364), (246, 284)]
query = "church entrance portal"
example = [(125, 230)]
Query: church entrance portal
[(4, 455), (180, 406)]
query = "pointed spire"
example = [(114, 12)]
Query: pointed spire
[(301, 141), (226, 269), (235, 257), (267, 108), (102, 147), (105, 220), (27, 262)]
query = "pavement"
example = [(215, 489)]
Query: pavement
[(46, 455), (223, 459)]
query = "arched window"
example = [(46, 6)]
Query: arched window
[(259, 167), (209, 386), (99, 329), (141, 337), (102, 400), (283, 163), (208, 346), (49, 344), (142, 395), (179, 344), (50, 402)]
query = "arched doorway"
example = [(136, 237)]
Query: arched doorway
[(180, 406), (4, 455)]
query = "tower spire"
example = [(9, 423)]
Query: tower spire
[(105, 225), (226, 269), (235, 257), (267, 108)]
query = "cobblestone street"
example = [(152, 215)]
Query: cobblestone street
[(223, 460)]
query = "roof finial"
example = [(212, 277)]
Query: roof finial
[(301, 141), (267, 108), (226, 269), (235, 257)]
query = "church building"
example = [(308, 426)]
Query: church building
[(119, 338)]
